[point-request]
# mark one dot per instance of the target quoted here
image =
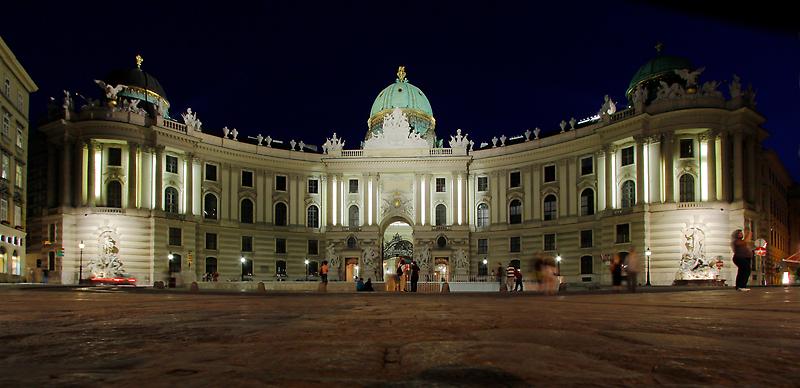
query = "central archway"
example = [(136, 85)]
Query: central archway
[(397, 245)]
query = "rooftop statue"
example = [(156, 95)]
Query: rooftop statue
[(191, 121), (690, 76), (396, 133), (110, 91), (459, 142), (735, 87)]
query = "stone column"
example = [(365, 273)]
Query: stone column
[(324, 201), (536, 192), (711, 163), (641, 180), (609, 151), (52, 182), (418, 178), (189, 211), (752, 167), (132, 174), (430, 213), (159, 183), (80, 174), (574, 203), (654, 169), (563, 188), (668, 155), (738, 165), (494, 185), (66, 174), (502, 198), (90, 197), (453, 213)]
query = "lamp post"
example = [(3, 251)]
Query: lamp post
[(558, 263), (80, 268), (306, 262), (647, 254), (242, 259)]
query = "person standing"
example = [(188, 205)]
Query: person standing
[(414, 276), (742, 255), (518, 280), (323, 275), (499, 273), (633, 269), (510, 277)]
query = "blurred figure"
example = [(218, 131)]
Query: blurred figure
[(616, 272), (414, 275), (538, 265), (549, 278), (633, 269), (518, 280), (510, 278), (499, 273), (742, 255)]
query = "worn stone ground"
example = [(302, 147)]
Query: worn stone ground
[(123, 338)]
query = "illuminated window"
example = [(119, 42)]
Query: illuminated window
[(441, 215), (628, 196), (171, 200), (686, 188), (312, 217), (483, 215), (550, 207)]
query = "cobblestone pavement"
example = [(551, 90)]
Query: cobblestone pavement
[(109, 337)]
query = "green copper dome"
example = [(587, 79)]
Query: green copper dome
[(410, 99), (660, 67)]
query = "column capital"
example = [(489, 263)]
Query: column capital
[(640, 138), (668, 136), (702, 137)]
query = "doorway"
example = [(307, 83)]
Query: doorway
[(351, 268), (441, 268)]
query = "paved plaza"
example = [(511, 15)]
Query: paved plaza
[(149, 338)]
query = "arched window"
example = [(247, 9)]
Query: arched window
[(441, 214), (246, 211), (687, 188), (550, 207), (211, 265), (353, 218), (587, 267), (628, 196), (114, 194), (351, 242), (515, 212), (587, 202), (483, 215), (210, 207), (280, 214), (312, 217), (171, 200), (441, 242)]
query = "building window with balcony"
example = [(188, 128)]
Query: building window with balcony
[(515, 179), (172, 164), (587, 202), (441, 185), (483, 215), (686, 188), (210, 207), (550, 242), (171, 200), (312, 217), (353, 218), (515, 212), (628, 197), (441, 215), (483, 183), (114, 194), (626, 156), (550, 207)]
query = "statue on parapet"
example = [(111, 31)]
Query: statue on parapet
[(110, 91)]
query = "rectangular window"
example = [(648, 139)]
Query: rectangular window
[(280, 245), (20, 135), (6, 122), (280, 183), (586, 239), (483, 183), (586, 265), (247, 178), (115, 156), (18, 178), (515, 179), (313, 247), (623, 233), (211, 241), (211, 172), (4, 210), (17, 215), (172, 164), (441, 185), (514, 244), (550, 242), (6, 167), (627, 156), (353, 186), (483, 246), (687, 148), (7, 88), (313, 186), (247, 243), (51, 233), (587, 166), (175, 237), (550, 173), (20, 101)]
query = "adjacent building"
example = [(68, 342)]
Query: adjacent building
[(156, 195), (15, 89)]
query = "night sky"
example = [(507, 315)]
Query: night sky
[(303, 70)]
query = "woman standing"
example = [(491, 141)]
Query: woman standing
[(742, 255)]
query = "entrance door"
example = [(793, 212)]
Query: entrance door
[(441, 268), (351, 268)]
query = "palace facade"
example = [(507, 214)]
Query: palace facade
[(155, 195)]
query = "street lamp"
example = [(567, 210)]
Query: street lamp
[(306, 262), (647, 254), (242, 259), (558, 263), (81, 245)]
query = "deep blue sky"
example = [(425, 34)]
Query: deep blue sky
[(304, 70)]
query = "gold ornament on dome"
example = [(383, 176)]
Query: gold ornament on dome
[(139, 61), (401, 73)]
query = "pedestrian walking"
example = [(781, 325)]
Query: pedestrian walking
[(742, 256), (510, 277), (518, 280), (633, 269)]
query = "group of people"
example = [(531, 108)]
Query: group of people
[(406, 271), (361, 285), (545, 271), (211, 276)]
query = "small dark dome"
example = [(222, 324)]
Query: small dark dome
[(136, 78), (662, 67)]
